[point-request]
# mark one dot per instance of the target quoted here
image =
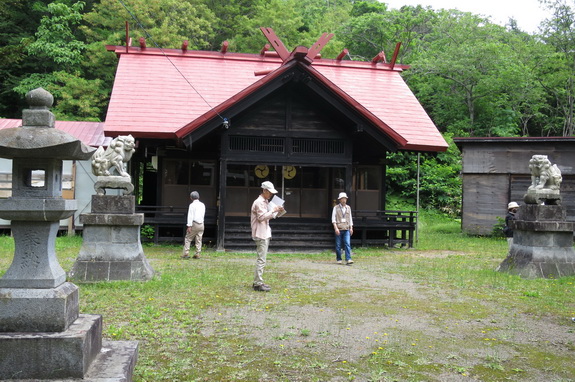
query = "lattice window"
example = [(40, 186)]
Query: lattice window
[(318, 146), (259, 144)]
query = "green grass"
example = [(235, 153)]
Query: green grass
[(436, 312)]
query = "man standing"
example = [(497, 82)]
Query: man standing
[(261, 231), (343, 227), (195, 225)]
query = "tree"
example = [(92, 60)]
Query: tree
[(473, 78), (55, 42), (60, 53), (280, 15), (558, 74), (164, 23), (19, 20)]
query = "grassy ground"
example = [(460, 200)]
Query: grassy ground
[(438, 312)]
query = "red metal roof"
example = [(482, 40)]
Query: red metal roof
[(89, 133), (168, 93)]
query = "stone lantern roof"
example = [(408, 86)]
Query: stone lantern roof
[(37, 137)]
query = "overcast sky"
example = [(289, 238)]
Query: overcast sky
[(528, 13)]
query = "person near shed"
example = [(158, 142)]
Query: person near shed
[(195, 225), (261, 231), (507, 230), (343, 227)]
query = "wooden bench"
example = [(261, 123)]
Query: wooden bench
[(385, 227)]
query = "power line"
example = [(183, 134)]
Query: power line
[(225, 120)]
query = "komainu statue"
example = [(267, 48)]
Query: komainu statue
[(113, 160), (545, 181), (118, 153)]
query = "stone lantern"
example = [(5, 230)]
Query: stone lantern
[(42, 334)]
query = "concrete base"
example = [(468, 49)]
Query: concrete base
[(534, 262), (38, 310), (66, 354), (75, 354), (111, 270), (115, 363), (542, 243)]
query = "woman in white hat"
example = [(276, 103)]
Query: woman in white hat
[(511, 211), (343, 227)]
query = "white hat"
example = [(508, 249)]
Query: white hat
[(512, 205), (342, 195), (269, 186)]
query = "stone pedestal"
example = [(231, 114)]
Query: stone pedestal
[(77, 352), (111, 248), (542, 243)]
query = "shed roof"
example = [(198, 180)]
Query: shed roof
[(168, 93), (89, 133)]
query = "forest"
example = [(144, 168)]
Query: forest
[(472, 76)]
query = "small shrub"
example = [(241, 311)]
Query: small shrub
[(147, 232)]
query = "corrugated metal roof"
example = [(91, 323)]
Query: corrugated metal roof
[(167, 93), (89, 133)]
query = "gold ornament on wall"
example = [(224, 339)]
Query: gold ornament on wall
[(261, 171), (289, 172)]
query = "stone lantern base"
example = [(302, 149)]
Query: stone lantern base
[(76, 353)]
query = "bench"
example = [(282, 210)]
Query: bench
[(385, 227)]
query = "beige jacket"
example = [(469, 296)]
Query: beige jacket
[(342, 217)]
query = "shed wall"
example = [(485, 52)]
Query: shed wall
[(497, 172), (484, 198)]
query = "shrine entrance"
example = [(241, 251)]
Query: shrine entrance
[(307, 190)]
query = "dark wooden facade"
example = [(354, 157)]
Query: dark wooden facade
[(307, 146), (496, 172)]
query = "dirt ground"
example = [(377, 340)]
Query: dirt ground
[(339, 331)]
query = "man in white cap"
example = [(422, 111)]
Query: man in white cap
[(261, 231), (511, 211), (343, 227)]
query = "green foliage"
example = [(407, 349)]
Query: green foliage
[(55, 40), (498, 227), (440, 184), (147, 231), (280, 15)]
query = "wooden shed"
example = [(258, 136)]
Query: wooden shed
[(496, 172), (222, 123)]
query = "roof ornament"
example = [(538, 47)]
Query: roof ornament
[(395, 53), (224, 48), (380, 57), (284, 54), (265, 49), (343, 53)]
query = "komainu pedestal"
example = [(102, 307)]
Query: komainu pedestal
[(542, 243), (542, 238), (111, 249)]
